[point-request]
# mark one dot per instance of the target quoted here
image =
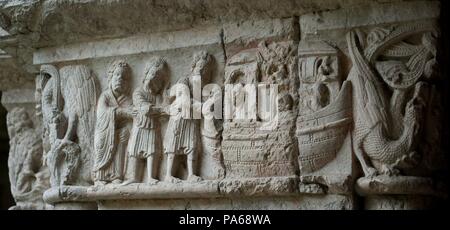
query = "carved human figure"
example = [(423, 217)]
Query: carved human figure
[(183, 129), (114, 114), (144, 142), (209, 112), (240, 101), (27, 175)]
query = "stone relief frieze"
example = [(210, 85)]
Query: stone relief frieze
[(251, 150), (304, 116), (285, 110)]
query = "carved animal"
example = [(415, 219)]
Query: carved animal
[(382, 133)]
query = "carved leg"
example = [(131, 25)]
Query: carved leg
[(191, 164), (151, 179), (133, 168), (100, 183), (117, 181), (389, 170), (368, 170), (169, 177)]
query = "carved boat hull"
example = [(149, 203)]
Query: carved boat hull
[(251, 152), (320, 135)]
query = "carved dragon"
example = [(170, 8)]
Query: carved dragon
[(387, 119)]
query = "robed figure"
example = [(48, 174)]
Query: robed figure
[(112, 130)]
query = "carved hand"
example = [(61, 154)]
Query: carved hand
[(153, 110), (134, 112), (125, 113)]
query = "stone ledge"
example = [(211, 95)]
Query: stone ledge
[(400, 185), (227, 188)]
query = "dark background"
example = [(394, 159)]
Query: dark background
[(6, 199)]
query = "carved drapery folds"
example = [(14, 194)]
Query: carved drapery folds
[(288, 112), (144, 143), (112, 129)]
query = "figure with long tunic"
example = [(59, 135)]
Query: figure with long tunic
[(183, 130), (143, 142), (114, 113)]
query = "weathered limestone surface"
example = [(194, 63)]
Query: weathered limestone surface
[(223, 104)]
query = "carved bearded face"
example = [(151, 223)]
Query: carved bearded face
[(118, 83), (202, 65)]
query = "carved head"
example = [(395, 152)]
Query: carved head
[(119, 75), (202, 65), (401, 63), (17, 120), (155, 75)]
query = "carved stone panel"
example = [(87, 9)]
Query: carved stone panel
[(311, 106), (257, 145), (68, 99), (325, 106)]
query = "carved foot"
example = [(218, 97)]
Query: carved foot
[(408, 160), (194, 178), (172, 179), (100, 183), (413, 158), (152, 181), (389, 170), (128, 182), (370, 172), (117, 181)]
